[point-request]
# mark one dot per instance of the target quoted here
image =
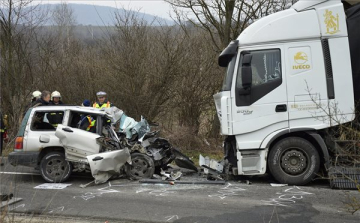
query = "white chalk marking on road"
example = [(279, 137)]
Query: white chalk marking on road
[(52, 186), (19, 206), (57, 209), (17, 173), (11, 201), (227, 191), (169, 218), (90, 195), (288, 197), (142, 190)]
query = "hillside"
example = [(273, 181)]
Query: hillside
[(101, 15)]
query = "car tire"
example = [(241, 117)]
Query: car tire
[(142, 166), (54, 168), (293, 161)]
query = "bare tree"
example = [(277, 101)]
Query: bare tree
[(224, 20), (65, 20), (18, 24)]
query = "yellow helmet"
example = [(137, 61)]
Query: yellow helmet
[(55, 94)]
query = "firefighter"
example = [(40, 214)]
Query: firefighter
[(55, 118), (102, 101), (35, 96), (56, 98)]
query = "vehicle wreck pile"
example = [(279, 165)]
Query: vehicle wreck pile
[(131, 148)]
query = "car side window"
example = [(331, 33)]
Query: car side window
[(46, 121), (83, 121)]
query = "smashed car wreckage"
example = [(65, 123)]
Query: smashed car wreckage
[(123, 146)]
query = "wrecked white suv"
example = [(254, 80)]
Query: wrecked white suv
[(55, 140)]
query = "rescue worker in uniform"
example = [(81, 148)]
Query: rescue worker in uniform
[(86, 103), (88, 123), (102, 101), (35, 96), (56, 98), (55, 118)]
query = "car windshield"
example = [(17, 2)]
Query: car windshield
[(229, 75), (142, 128)]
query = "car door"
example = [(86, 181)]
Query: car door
[(40, 132), (77, 143)]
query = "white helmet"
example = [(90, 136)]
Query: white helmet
[(101, 93), (36, 94), (55, 94)]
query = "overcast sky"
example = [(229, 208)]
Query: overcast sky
[(153, 7)]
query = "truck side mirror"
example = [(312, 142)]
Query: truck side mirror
[(246, 72), (228, 53)]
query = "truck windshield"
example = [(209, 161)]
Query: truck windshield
[(229, 75)]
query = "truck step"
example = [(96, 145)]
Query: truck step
[(250, 172)]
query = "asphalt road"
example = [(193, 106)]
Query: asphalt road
[(130, 201)]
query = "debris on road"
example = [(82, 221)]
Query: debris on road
[(170, 176), (8, 199), (88, 184), (212, 168)]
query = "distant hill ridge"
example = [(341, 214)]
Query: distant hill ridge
[(102, 15)]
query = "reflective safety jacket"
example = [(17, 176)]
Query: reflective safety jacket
[(105, 105), (55, 118), (91, 122)]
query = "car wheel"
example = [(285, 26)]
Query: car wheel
[(293, 161), (54, 168), (142, 166)]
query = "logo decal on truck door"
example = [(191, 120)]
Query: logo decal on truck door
[(331, 22), (301, 60)]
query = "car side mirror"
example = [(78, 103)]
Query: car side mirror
[(44, 138)]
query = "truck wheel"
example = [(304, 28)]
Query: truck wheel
[(142, 167), (54, 168), (293, 161)]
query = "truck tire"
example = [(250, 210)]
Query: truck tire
[(294, 161), (142, 167), (54, 168)]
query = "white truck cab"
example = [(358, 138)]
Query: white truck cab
[(289, 76)]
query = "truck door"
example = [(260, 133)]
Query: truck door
[(261, 107), (308, 90)]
